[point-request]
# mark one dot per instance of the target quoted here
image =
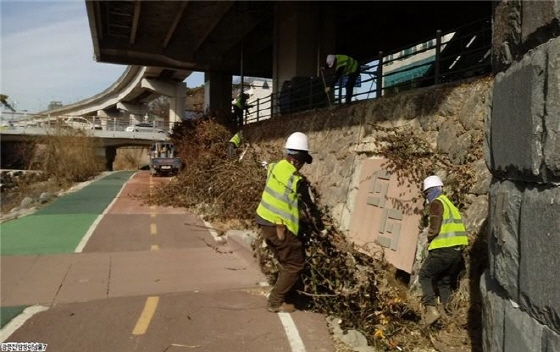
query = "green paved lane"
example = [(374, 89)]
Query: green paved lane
[(59, 227), (9, 313)]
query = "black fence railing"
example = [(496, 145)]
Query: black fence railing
[(461, 53)]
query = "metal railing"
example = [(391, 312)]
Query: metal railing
[(114, 124), (446, 57)]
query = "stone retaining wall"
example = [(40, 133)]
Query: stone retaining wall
[(521, 288), (517, 192), (449, 117)]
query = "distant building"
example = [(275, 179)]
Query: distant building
[(259, 90), (402, 69)]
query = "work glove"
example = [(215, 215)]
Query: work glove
[(327, 89), (281, 232), (424, 235)]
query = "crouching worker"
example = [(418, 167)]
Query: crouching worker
[(278, 216), (447, 238), (233, 145)]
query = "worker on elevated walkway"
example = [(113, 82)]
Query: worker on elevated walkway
[(345, 66), (239, 107)]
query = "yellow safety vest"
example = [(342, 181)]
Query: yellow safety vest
[(279, 202), (452, 232), (236, 140), (350, 64), (239, 103)]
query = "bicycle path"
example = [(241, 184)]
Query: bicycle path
[(208, 290), (50, 230), (60, 226)]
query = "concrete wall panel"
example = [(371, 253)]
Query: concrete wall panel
[(386, 215)]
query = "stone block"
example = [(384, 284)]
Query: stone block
[(550, 341), (536, 15), (516, 126), (476, 107), (505, 205), (521, 332), (476, 215), (539, 246), (482, 178), (551, 145), (506, 34), (493, 315)]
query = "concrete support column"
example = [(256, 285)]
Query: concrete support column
[(217, 92), (175, 91), (311, 25), (177, 104), (134, 112)]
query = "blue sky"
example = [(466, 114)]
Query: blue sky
[(46, 54)]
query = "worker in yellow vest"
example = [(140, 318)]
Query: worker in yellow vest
[(239, 108), (447, 238), (278, 217), (233, 144), (344, 66)]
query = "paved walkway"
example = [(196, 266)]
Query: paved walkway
[(99, 260)]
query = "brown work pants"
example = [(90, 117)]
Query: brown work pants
[(291, 258)]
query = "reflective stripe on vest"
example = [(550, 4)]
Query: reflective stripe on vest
[(452, 232), (236, 140), (279, 202), (350, 64)]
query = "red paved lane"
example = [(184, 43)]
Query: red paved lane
[(154, 279)]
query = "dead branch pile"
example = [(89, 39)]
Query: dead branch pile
[(340, 280), (218, 188)]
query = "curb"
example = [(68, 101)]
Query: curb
[(240, 242)]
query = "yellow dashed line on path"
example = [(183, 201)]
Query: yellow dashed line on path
[(153, 212), (146, 316)]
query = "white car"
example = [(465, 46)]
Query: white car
[(144, 127), (81, 123)]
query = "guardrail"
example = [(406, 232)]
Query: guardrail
[(107, 124), (458, 54)]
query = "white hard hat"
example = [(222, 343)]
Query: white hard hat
[(432, 181), (330, 60), (297, 141)]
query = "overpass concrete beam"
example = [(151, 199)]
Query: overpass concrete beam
[(157, 86), (136, 109)]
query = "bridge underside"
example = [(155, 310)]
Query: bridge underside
[(164, 41), (213, 36)]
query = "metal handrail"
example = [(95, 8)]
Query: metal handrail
[(438, 68)]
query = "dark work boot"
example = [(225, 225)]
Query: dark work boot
[(283, 308), (431, 315)]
